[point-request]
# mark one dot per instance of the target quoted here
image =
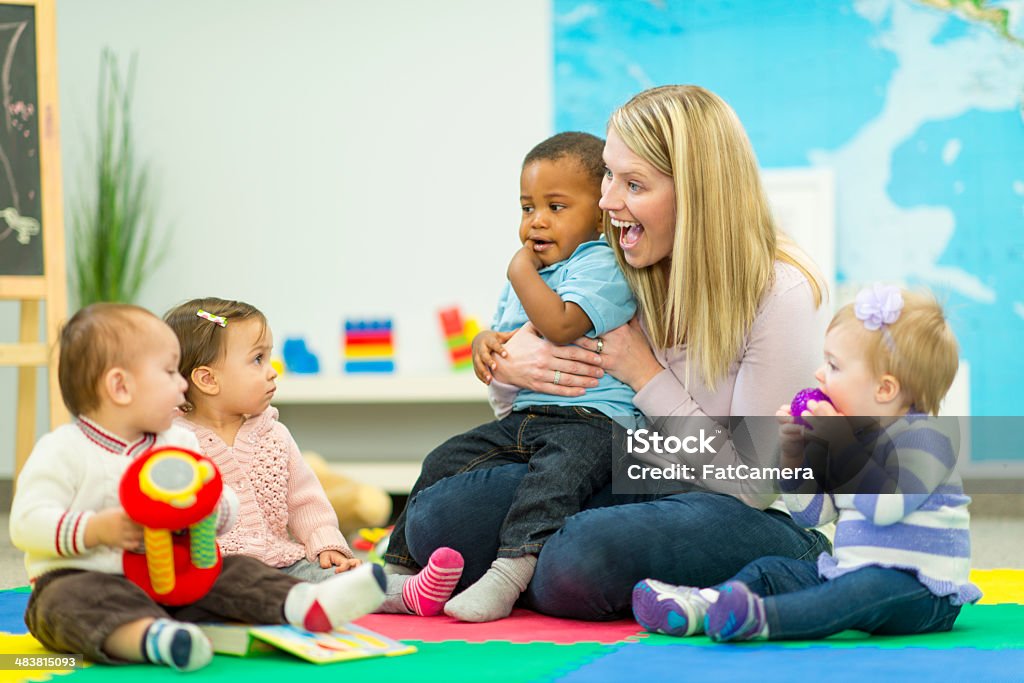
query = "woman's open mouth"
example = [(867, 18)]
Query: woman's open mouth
[(629, 233)]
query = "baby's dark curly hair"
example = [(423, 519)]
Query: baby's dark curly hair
[(583, 147)]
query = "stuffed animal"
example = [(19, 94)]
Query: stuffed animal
[(357, 505)]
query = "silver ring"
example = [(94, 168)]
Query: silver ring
[(558, 377), (600, 345)]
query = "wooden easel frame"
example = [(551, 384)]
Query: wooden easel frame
[(31, 352)]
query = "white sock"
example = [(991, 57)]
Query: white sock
[(176, 644), (338, 600), (494, 595)]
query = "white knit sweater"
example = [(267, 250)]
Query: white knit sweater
[(72, 473)]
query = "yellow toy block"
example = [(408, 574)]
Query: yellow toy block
[(471, 329), (370, 351)]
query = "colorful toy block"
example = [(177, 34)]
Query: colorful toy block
[(368, 346), (299, 359), (458, 336)]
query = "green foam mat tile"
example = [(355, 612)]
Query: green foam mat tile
[(452, 662)]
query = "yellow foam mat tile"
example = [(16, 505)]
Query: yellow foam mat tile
[(28, 646), (999, 586)]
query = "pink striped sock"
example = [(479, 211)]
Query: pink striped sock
[(427, 592)]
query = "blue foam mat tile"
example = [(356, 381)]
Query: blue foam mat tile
[(12, 611), (768, 664)]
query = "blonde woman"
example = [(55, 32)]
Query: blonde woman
[(730, 312)]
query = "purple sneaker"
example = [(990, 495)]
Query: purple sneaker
[(673, 610), (738, 614)]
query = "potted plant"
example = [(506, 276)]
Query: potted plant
[(114, 223)]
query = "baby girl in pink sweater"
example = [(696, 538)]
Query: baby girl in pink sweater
[(285, 519)]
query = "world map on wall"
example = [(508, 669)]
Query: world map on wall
[(916, 105)]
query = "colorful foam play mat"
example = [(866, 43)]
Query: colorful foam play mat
[(986, 644)]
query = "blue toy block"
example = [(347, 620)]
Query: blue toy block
[(299, 359), (368, 324), (369, 366)]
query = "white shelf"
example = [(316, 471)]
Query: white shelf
[(461, 387)]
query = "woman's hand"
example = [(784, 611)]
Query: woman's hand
[(535, 363), (626, 354)]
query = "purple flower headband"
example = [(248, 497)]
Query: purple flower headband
[(878, 305)]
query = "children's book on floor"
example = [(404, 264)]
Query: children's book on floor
[(346, 643)]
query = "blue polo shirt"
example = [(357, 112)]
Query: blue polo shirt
[(591, 279)]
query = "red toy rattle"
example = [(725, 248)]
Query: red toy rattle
[(173, 493)]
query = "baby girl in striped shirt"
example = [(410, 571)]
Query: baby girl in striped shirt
[(285, 519), (902, 545)]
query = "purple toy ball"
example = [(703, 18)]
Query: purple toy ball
[(799, 404)]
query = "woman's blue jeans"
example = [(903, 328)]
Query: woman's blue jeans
[(799, 604), (569, 452), (588, 568)]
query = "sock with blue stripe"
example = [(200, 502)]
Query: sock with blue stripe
[(176, 644)]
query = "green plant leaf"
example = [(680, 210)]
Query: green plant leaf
[(115, 224)]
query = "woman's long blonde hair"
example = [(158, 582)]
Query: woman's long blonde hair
[(726, 241)]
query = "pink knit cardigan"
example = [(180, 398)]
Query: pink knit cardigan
[(284, 515)]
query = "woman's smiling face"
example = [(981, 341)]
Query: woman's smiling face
[(641, 202)]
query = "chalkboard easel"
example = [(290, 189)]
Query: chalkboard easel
[(32, 261)]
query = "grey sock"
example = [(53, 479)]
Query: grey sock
[(394, 603), (399, 569), (494, 595)]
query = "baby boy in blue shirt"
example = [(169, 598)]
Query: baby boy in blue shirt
[(565, 281)]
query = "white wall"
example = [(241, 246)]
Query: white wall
[(320, 159)]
